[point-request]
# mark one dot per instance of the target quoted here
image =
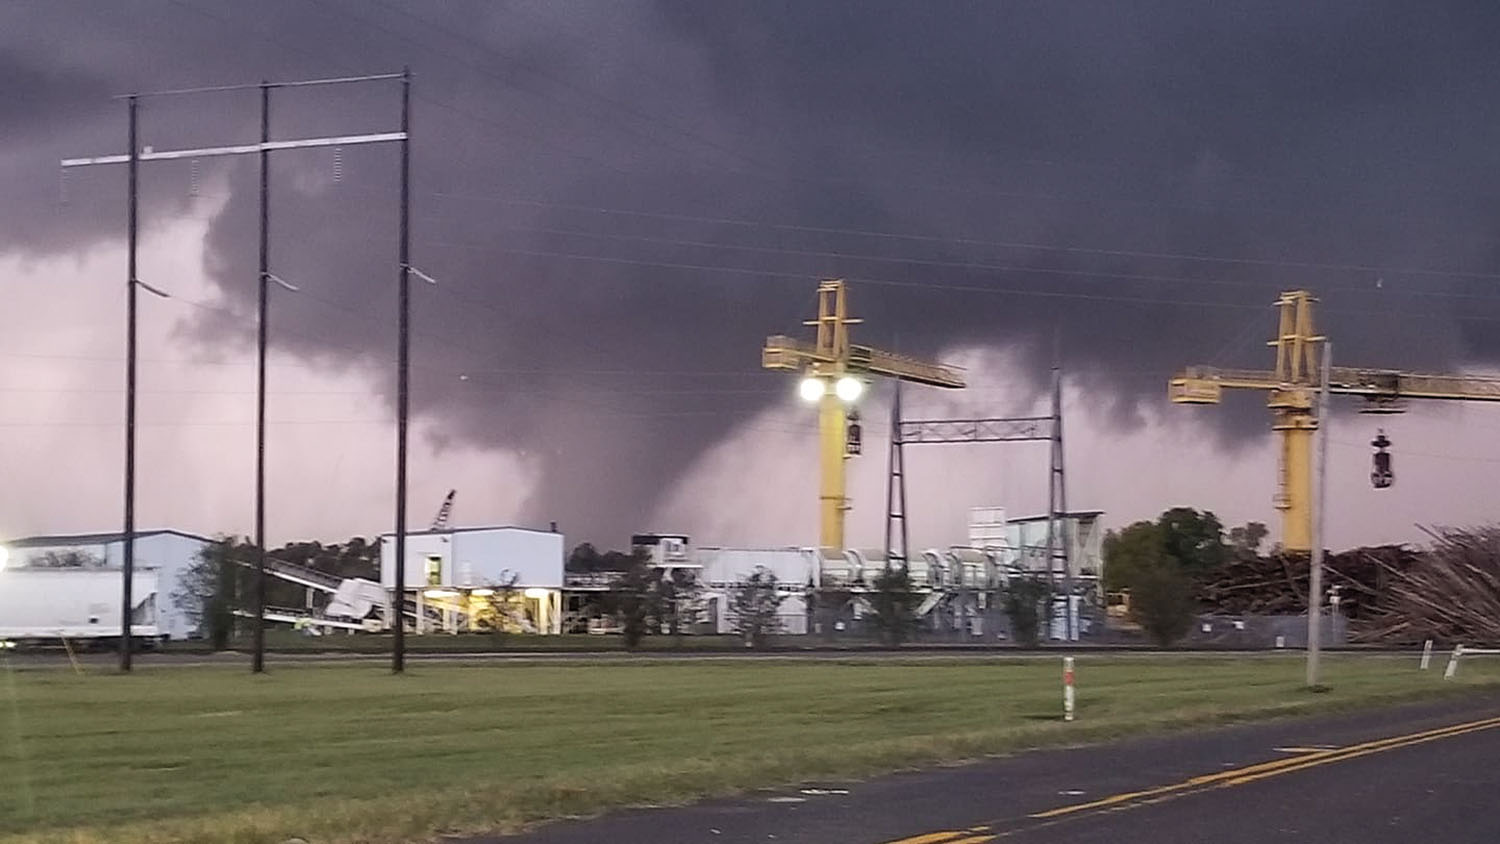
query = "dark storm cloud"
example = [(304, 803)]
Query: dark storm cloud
[(1050, 168)]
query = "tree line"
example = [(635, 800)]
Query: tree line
[(1158, 563), (1161, 563)]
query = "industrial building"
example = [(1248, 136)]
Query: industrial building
[(453, 575), (724, 569), (56, 587), (1078, 550), (69, 586), (513, 578), (822, 593)]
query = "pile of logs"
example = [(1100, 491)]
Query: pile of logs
[(1451, 594), (1277, 585), (1391, 593)]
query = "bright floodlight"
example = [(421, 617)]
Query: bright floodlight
[(849, 388), (535, 592), (812, 389)]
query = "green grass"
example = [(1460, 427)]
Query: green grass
[(287, 641), (349, 753)]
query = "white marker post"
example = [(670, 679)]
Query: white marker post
[(1458, 651), (1427, 655), (1067, 688)]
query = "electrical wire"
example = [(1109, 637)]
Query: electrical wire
[(973, 242), (1286, 263)]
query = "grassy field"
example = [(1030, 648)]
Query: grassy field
[(287, 641), (344, 753)]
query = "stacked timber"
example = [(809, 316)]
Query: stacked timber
[(1277, 584), (1451, 594)]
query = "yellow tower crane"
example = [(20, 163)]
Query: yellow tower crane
[(1291, 387), (835, 372)]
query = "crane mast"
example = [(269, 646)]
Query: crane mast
[(834, 373), (1290, 389)]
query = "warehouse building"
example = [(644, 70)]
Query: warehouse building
[(70, 585)]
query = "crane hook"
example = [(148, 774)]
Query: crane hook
[(1381, 476)]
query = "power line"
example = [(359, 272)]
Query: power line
[(456, 373), (917, 285), (420, 95), (508, 389), (601, 413), (1286, 263), (923, 262), (957, 264), (511, 128), (611, 102), (655, 121), (963, 241)]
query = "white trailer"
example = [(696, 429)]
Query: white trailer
[(52, 604)]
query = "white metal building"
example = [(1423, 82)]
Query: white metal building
[(446, 568), (998, 549), (1079, 532), (70, 585), (723, 569)]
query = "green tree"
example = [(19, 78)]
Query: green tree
[(1130, 551), (500, 608), (209, 591), (1161, 601), (1181, 539), (894, 605), (584, 559), (755, 606), (1194, 539), (70, 559), (677, 595), (355, 558), (634, 598), (1023, 606)]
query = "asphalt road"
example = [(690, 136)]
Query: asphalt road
[(1422, 773)]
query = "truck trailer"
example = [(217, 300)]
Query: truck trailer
[(48, 605)]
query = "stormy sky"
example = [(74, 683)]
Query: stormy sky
[(621, 199)]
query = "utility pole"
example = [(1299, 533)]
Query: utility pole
[(403, 366), (1320, 510), (132, 158), (127, 603), (1059, 502), (258, 659)]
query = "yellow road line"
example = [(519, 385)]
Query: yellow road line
[(951, 836), (1309, 757), (931, 838), (1342, 756), (1250, 773)]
